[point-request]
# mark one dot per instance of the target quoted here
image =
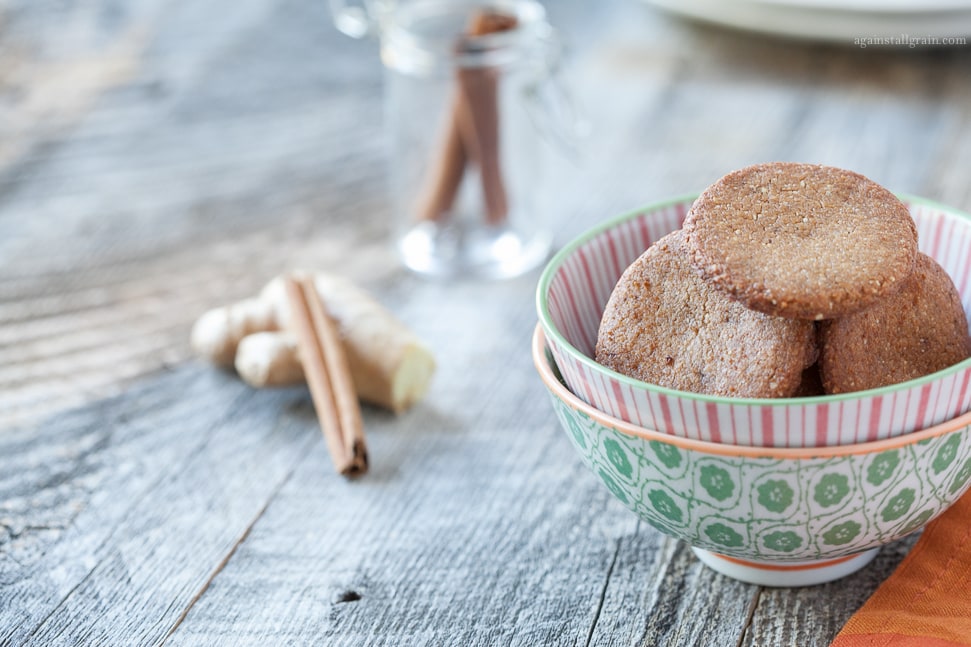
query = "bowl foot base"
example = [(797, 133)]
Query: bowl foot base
[(804, 573)]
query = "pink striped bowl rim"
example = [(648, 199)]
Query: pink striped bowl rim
[(575, 285)]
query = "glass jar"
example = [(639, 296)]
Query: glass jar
[(466, 94)]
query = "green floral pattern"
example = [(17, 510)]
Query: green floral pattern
[(945, 454), (724, 535), (783, 541), (775, 495), (767, 508), (961, 478), (899, 505), (669, 455), (917, 521), (831, 489), (665, 505), (618, 458), (717, 482), (842, 533), (883, 467), (577, 433)]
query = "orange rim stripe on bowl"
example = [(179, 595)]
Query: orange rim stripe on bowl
[(766, 566), (553, 384)]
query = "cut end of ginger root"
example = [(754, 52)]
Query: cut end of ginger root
[(411, 382), (390, 367)]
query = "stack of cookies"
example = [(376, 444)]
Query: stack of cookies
[(785, 280)]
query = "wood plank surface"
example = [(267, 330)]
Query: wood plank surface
[(113, 491), (158, 158)]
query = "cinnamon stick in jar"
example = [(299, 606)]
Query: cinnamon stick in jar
[(472, 133)]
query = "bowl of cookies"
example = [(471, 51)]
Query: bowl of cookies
[(774, 516), (787, 305)]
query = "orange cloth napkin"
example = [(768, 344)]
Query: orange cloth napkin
[(926, 602)]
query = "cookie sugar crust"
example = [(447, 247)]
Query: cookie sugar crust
[(664, 325), (918, 330), (801, 240)]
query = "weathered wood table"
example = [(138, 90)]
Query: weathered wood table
[(160, 157)]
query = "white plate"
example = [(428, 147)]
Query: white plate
[(900, 23)]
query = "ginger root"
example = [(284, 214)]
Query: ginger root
[(269, 359), (390, 367), (217, 333)]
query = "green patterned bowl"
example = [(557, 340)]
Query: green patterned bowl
[(770, 516)]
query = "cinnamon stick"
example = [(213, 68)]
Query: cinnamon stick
[(480, 132), (480, 121), (471, 134), (442, 188), (328, 376)]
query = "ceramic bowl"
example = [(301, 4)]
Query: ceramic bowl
[(770, 516), (574, 288)]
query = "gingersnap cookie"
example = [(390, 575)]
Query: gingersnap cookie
[(664, 325), (918, 330), (801, 240)]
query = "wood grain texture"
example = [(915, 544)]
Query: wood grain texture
[(91, 511), (158, 158), (448, 541)]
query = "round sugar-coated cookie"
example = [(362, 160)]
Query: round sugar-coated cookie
[(664, 325), (918, 330), (801, 240)]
